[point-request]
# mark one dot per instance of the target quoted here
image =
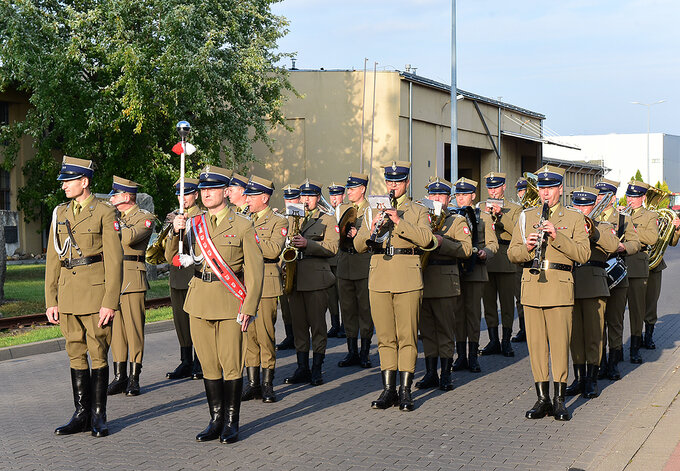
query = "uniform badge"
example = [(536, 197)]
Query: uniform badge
[(257, 239), (147, 223), (493, 226), (116, 226), (466, 230), (337, 229), (613, 231), (284, 231), (586, 226), (429, 218)]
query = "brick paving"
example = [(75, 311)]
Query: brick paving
[(479, 425)]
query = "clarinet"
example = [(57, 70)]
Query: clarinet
[(541, 245)]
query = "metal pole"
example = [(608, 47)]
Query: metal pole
[(363, 107), (370, 170), (499, 137), (410, 133), (454, 94), (649, 171)]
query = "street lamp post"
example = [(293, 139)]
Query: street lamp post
[(649, 108)]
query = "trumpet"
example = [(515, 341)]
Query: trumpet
[(383, 226)]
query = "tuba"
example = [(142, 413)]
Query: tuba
[(346, 222), (155, 252), (531, 197), (653, 200)]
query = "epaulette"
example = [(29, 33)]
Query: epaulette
[(244, 216), (65, 203), (282, 216), (574, 210), (145, 211)]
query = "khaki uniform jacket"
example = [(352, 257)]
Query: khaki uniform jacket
[(271, 228), (354, 266), (442, 281), (648, 232), (591, 281), (550, 288), (630, 240), (486, 239), (235, 240), (504, 224), (136, 228), (313, 271), (87, 288), (400, 273), (180, 276)]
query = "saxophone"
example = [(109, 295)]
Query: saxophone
[(290, 253)]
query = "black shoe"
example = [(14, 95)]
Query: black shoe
[(590, 389), (445, 380), (430, 380), (364, 353), (461, 362), (560, 411), (405, 399), (184, 368), (99, 393), (388, 397), (635, 343), (80, 421), (352, 357), (196, 369), (648, 342), (494, 345), (335, 327), (521, 333), (602, 370), (317, 363), (473, 357), (254, 389), (506, 348), (341, 332), (302, 374), (268, 395), (543, 406), (120, 379), (579, 378), (214, 393), (133, 381), (232, 408), (615, 356), (288, 343)]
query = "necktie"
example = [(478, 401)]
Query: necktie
[(76, 208), (254, 218), (213, 220)]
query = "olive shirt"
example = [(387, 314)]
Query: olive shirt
[(648, 232), (136, 226), (503, 224), (313, 271), (180, 276), (487, 241), (351, 265), (271, 228), (590, 281)]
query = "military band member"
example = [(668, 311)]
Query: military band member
[(502, 274), (317, 242), (271, 229), (590, 298), (638, 264), (353, 280), (473, 276), (521, 336), (336, 193), (220, 305), (84, 256), (395, 285), (548, 296), (237, 187), (179, 284), (136, 227), (441, 288), (291, 194)]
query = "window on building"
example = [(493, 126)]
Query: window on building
[(4, 190)]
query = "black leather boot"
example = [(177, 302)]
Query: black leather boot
[(506, 348), (649, 337), (288, 343), (615, 356), (317, 364), (120, 378), (197, 369), (352, 357), (602, 370), (253, 390), (80, 421), (214, 392), (560, 411), (405, 399), (100, 377), (232, 409), (430, 380), (521, 333), (635, 343), (268, 394), (543, 406), (494, 345), (445, 380), (301, 373), (579, 379), (473, 357), (133, 382), (335, 326), (184, 368), (341, 331), (461, 362), (590, 389), (388, 397), (364, 353)]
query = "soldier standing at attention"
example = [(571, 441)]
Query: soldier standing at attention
[(502, 273), (179, 284), (237, 187), (395, 285), (136, 227), (442, 288), (84, 256), (222, 298), (548, 296), (521, 335), (336, 193), (291, 194), (317, 242), (271, 229), (473, 275)]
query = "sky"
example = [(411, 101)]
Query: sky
[(580, 63)]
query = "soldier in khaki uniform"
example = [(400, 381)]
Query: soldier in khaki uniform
[(271, 228), (638, 264), (502, 273), (521, 336), (84, 256), (395, 284), (136, 227), (218, 317), (441, 287), (336, 194), (237, 197), (590, 298), (353, 280), (473, 276), (291, 194), (317, 242), (548, 296)]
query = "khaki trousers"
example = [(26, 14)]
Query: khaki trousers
[(309, 314), (356, 308), (128, 329), (501, 288), (468, 311), (219, 346), (261, 350), (180, 317), (518, 294), (436, 326), (395, 316), (82, 335), (613, 316), (652, 296), (548, 333), (586, 330), (637, 290)]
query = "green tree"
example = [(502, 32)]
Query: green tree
[(109, 79)]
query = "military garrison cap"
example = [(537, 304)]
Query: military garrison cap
[(636, 188), (583, 196), (214, 177), (465, 186), (123, 185), (607, 186), (438, 186), (190, 186), (494, 179), (548, 176), (336, 189), (257, 186), (291, 192), (356, 179), (397, 171), (310, 188)]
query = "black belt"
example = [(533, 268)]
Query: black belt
[(133, 258), (210, 277), (271, 260), (349, 250), (503, 242), (546, 265), (393, 251), (76, 262), (593, 263), (442, 262)]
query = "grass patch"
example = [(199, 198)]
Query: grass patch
[(158, 289)]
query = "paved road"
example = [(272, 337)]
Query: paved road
[(480, 425)]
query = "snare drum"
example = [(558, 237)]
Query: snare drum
[(616, 271)]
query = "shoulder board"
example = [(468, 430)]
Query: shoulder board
[(573, 210), (65, 203), (279, 215), (144, 211), (243, 216)]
